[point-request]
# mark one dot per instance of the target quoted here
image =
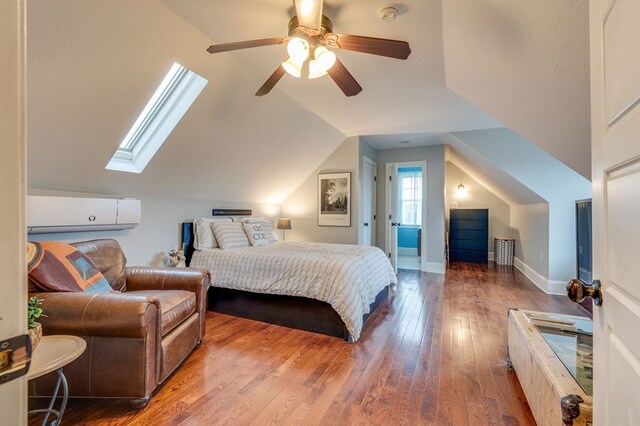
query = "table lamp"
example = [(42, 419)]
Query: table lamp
[(283, 224)]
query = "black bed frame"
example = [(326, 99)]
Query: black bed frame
[(290, 311)]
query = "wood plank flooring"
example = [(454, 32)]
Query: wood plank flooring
[(434, 355)]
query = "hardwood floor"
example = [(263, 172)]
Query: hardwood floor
[(435, 354)]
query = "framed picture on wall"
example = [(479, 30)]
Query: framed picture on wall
[(334, 199)]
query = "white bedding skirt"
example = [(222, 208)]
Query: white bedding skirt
[(348, 277)]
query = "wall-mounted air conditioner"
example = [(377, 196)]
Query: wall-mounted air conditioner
[(69, 214)]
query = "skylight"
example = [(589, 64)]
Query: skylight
[(165, 109)]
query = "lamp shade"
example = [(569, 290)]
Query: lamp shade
[(284, 223)]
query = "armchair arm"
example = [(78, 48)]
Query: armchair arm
[(101, 314), (147, 278), (195, 280)]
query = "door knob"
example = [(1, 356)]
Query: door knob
[(366, 224), (394, 223), (577, 291)]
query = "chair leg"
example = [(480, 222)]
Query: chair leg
[(198, 343), (137, 403)]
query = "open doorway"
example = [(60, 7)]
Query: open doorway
[(409, 216), (406, 209)]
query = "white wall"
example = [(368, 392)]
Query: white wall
[(476, 196), (302, 205), (434, 222), (160, 225)]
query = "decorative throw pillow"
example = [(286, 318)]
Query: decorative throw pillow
[(266, 228), (203, 235), (230, 235), (256, 234), (56, 266)]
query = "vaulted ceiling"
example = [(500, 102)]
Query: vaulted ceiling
[(93, 65)]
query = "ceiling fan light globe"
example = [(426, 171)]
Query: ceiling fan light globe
[(293, 67), (324, 57), (298, 49), (315, 69)]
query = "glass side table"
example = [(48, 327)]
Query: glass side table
[(53, 353)]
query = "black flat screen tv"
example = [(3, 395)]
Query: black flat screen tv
[(584, 256)]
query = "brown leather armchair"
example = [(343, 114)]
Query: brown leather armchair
[(136, 337)]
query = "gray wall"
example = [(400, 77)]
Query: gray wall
[(530, 228), (302, 205), (477, 196), (434, 222)]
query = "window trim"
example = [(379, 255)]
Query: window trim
[(171, 100)]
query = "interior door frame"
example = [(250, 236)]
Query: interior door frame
[(13, 285), (368, 161), (389, 187)]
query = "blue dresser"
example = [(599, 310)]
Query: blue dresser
[(469, 235)]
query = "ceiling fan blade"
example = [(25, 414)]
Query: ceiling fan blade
[(344, 79), (375, 46), (309, 13), (271, 81), (217, 48)]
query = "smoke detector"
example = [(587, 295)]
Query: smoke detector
[(388, 14)]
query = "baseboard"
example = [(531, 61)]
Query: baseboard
[(557, 287), (408, 251), (435, 267), (544, 284)]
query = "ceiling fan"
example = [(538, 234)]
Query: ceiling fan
[(309, 45)]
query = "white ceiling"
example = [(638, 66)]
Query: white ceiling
[(93, 65), (526, 63), (403, 140), (398, 96)]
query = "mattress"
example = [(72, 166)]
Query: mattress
[(348, 277)]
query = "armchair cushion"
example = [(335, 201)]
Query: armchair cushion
[(56, 266), (175, 306)]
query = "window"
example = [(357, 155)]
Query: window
[(167, 106), (411, 197)]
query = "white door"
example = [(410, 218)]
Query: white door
[(368, 225), (615, 127), (391, 218), (13, 287)]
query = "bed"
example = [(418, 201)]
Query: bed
[(324, 288)]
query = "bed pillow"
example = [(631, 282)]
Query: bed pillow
[(56, 266), (230, 235), (257, 234), (203, 235), (249, 219), (266, 228)]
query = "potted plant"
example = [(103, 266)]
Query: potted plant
[(34, 311)]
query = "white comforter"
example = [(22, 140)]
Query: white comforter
[(347, 277)]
